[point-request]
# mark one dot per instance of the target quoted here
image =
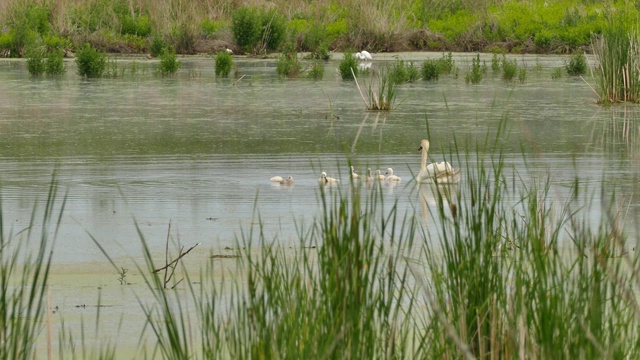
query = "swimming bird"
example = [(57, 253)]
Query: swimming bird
[(390, 176), (287, 181), (379, 175), (354, 176), (364, 55), (276, 179), (369, 178), (328, 180), (441, 173)]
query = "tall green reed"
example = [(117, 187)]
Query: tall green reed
[(24, 277), (618, 55)]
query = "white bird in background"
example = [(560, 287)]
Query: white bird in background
[(287, 181), (441, 173), (328, 180), (229, 51), (354, 176), (364, 55), (369, 178), (390, 176)]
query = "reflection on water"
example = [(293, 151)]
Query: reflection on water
[(198, 151)]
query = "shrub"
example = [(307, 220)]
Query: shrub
[(347, 65), (509, 68), (475, 75), (288, 64), (495, 63), (224, 63), (55, 63), (317, 71), (35, 60), (169, 63), (577, 65), (246, 26), (91, 62), (273, 29), (157, 46), (208, 28), (430, 70), (184, 38), (398, 72)]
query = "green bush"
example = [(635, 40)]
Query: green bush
[(274, 29), (91, 62), (430, 70), (35, 60), (157, 45), (347, 65), (475, 75), (288, 64), (577, 65), (224, 63), (246, 27), (184, 38), (317, 71), (55, 63), (169, 63), (209, 28), (509, 68)]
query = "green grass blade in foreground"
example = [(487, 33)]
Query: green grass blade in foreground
[(24, 279)]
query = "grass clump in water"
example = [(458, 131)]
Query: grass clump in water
[(476, 74), (223, 63), (348, 66), (577, 65), (509, 69), (288, 64), (317, 71), (91, 62), (169, 63), (617, 53)]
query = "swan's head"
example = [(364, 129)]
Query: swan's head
[(359, 56), (377, 172), (389, 171), (352, 169), (323, 175), (369, 171), (424, 145)]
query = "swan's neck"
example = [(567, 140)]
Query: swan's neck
[(423, 164)]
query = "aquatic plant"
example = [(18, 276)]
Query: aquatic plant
[(495, 63), (169, 63), (24, 277), (55, 63), (475, 75), (288, 64), (348, 66), (381, 92), (509, 68), (557, 73), (617, 54), (400, 72), (430, 70), (317, 71), (577, 64), (36, 60), (91, 63), (223, 63)]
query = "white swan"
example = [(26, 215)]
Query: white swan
[(369, 178), (441, 173), (364, 55), (390, 176), (328, 180), (287, 181), (379, 175), (354, 176), (276, 179)]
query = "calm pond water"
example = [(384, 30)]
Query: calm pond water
[(197, 152)]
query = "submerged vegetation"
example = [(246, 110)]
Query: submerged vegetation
[(539, 26)]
